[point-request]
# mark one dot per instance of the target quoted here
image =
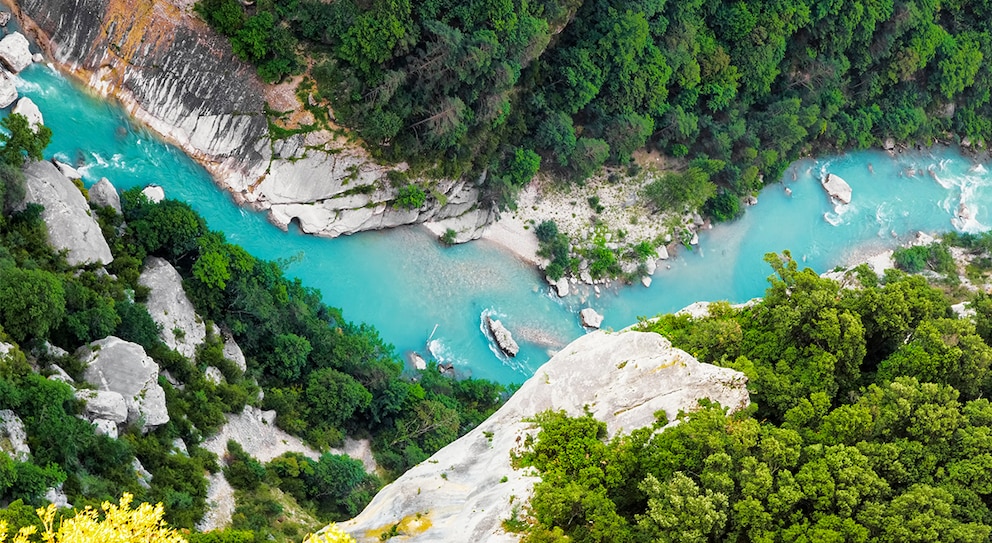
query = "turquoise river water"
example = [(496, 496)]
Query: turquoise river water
[(415, 291)]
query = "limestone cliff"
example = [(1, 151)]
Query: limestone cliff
[(181, 79), (466, 489)]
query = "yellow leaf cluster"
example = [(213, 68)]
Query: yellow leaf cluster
[(120, 524), (330, 534)]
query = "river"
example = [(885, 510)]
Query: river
[(416, 291)]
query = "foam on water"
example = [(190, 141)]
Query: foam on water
[(405, 283)]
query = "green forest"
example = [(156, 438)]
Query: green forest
[(505, 86), (870, 422), (325, 377)]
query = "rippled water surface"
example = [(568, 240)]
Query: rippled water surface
[(422, 296)]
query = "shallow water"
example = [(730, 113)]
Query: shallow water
[(420, 294)]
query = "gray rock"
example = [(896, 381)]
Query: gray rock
[(622, 378), (418, 361), (695, 239), (650, 266), (154, 193), (590, 318), (5, 348), (103, 193), (67, 170), (179, 446), (182, 328), (60, 375), (115, 365), (4, 18), (37, 58), (663, 253), (837, 188), (504, 339), (561, 287), (13, 438), (106, 427), (214, 375), (15, 52), (8, 90), (144, 476), (52, 350), (889, 144), (646, 281), (70, 224), (30, 110), (103, 404), (56, 496), (232, 352)]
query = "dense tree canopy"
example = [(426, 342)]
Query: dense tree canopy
[(587, 82)]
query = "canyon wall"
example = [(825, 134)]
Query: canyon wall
[(181, 79)]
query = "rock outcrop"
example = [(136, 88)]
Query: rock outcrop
[(15, 52), (590, 318), (13, 438), (622, 378), (115, 365), (70, 224), (103, 193), (837, 188), (182, 328), (26, 107), (180, 78), (154, 193), (8, 90), (232, 352), (503, 337)]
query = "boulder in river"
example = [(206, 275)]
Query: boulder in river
[(590, 318), (561, 287), (837, 188), (15, 52), (503, 337)]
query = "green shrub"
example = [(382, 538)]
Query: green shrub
[(410, 197)]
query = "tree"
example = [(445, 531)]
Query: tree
[(31, 302), (21, 140), (334, 396)]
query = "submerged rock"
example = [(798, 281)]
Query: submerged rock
[(70, 224), (837, 188), (15, 52), (503, 337), (464, 490)]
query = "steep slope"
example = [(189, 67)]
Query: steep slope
[(466, 489), (178, 77)]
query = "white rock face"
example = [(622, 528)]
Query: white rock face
[(15, 52), (503, 337), (70, 224), (8, 90), (590, 318), (837, 188), (103, 404), (67, 170), (232, 352), (106, 427), (182, 328), (103, 193), (113, 364), (13, 437), (30, 110), (154, 193), (624, 378), (468, 226)]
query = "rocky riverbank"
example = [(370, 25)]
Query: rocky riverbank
[(176, 76)]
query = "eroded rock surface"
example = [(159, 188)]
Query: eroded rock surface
[(115, 365), (15, 52), (182, 328), (103, 193), (71, 226), (623, 378)]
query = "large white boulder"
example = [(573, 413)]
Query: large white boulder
[(154, 193), (115, 365), (232, 352), (8, 90), (25, 106), (13, 438), (622, 378), (837, 188), (504, 339), (103, 193), (15, 52), (103, 404), (590, 318), (71, 226), (182, 328)]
